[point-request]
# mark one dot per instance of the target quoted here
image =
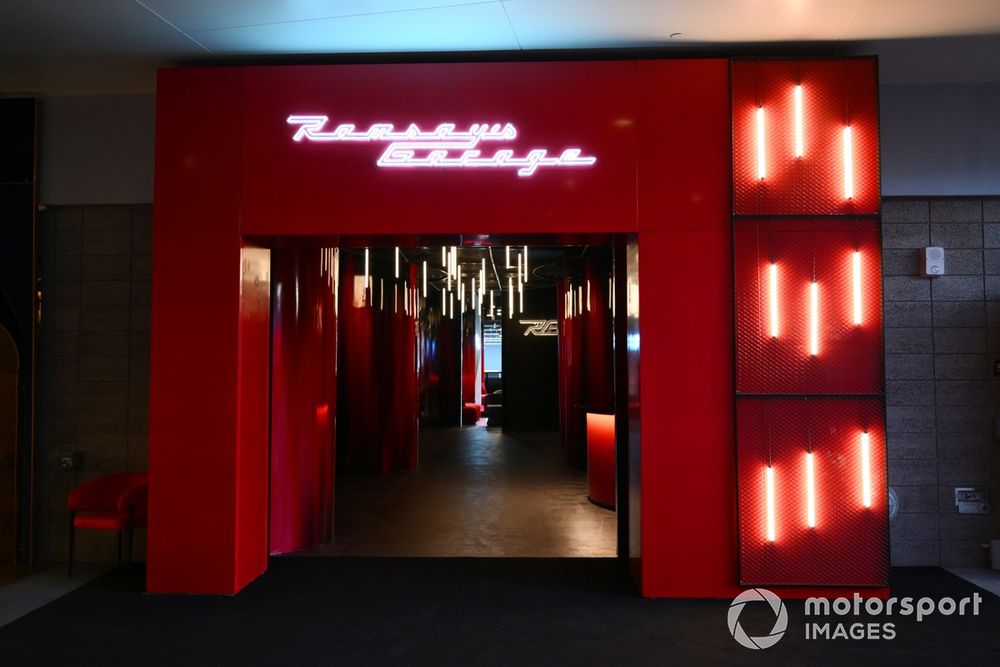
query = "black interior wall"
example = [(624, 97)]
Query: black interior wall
[(531, 366), (17, 282)]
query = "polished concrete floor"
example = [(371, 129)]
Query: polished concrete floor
[(477, 492)]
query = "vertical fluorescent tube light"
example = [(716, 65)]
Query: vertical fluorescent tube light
[(367, 279), (810, 491), (444, 258), (761, 162), (588, 295), (813, 318), (475, 302), (525, 263), (508, 266), (425, 278), (444, 302), (856, 280), (454, 261), (848, 165), (397, 261), (510, 296), (866, 471), (772, 288), (769, 500), (520, 302), (520, 273), (798, 121), (451, 304)]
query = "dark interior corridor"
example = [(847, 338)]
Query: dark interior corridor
[(477, 492)]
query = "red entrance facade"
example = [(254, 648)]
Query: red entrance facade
[(687, 156)]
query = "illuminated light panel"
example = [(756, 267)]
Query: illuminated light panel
[(810, 491), (451, 304), (813, 318), (444, 147), (761, 160), (856, 282), (367, 282), (510, 295), (798, 122), (444, 301), (425, 278), (525, 263), (397, 261), (444, 258), (772, 288), (588, 295), (848, 164), (520, 301), (866, 471), (769, 502), (520, 272), (509, 265)]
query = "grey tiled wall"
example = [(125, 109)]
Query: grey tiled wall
[(94, 263), (942, 336)]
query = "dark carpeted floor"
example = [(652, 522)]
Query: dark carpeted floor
[(344, 611)]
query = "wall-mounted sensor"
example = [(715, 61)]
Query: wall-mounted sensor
[(933, 261)]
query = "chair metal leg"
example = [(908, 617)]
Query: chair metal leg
[(131, 535), (72, 530)]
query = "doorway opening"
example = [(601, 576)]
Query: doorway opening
[(447, 396)]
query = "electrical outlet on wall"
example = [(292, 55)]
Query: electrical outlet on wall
[(72, 462)]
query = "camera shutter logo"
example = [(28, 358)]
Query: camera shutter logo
[(780, 618)]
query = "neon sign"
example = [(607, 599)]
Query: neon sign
[(444, 147)]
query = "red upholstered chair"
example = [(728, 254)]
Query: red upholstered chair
[(111, 502)]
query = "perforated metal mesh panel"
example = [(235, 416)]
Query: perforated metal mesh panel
[(848, 356), (809, 358), (835, 94), (849, 543)]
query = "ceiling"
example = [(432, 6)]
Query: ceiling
[(107, 46)]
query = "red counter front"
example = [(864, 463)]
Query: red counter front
[(601, 459)]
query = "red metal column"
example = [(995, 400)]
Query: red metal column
[(209, 362)]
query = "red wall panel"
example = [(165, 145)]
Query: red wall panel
[(335, 187), (848, 545), (848, 355), (586, 354), (808, 322), (303, 403), (835, 94), (688, 549), (378, 402), (196, 477)]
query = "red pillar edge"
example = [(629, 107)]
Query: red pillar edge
[(208, 377)]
